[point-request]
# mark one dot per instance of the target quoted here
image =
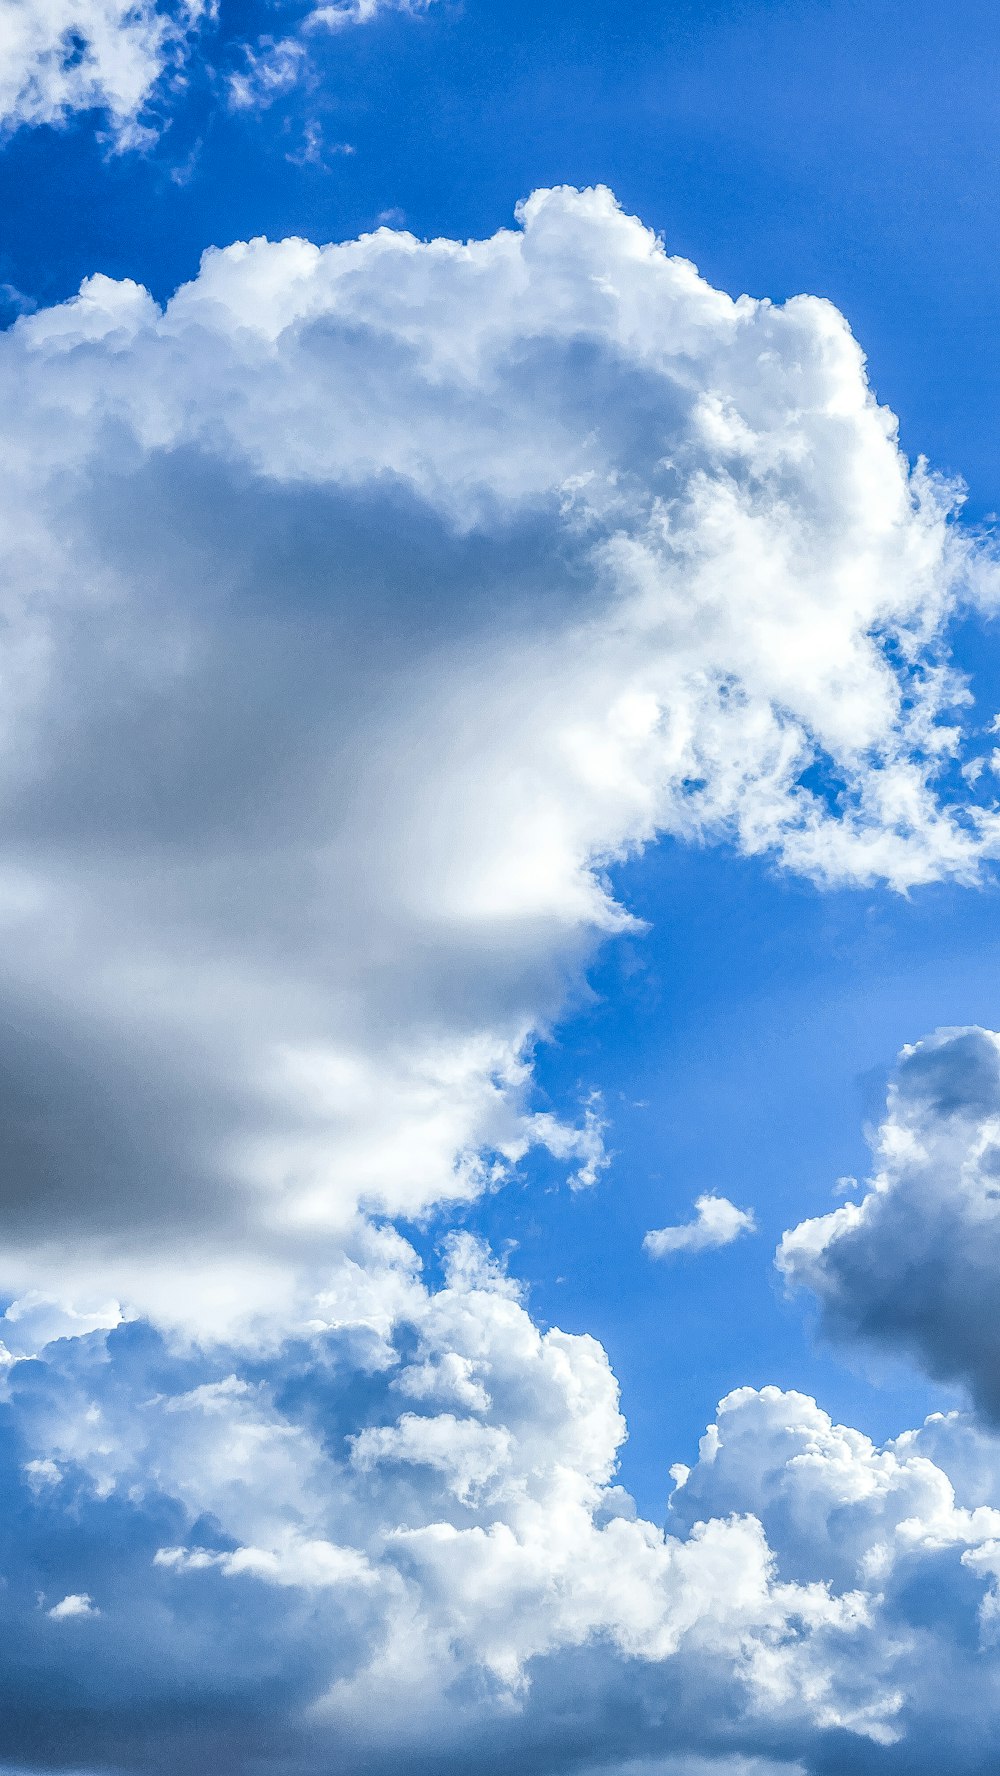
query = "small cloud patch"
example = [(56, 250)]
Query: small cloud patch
[(718, 1222), (78, 1603)]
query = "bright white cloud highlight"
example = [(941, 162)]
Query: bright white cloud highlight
[(116, 57), (72, 1607), (717, 1222)]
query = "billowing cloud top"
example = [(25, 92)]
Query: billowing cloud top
[(364, 607)]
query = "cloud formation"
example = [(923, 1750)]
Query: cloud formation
[(365, 607), (717, 1223), (371, 601), (913, 1265), (62, 56), (116, 57), (414, 1548)]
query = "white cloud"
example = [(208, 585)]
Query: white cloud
[(371, 601), (269, 68), (471, 1574), (61, 56), (458, 1548), (358, 12), (72, 1607), (717, 1223), (127, 58), (913, 1264)]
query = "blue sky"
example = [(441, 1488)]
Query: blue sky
[(480, 774)]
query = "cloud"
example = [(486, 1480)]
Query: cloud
[(358, 12), (890, 1520), (717, 1223), (412, 1573), (297, 1554), (62, 56), (913, 1265), (269, 68), (74, 1606), (129, 59), (366, 606), (371, 601)]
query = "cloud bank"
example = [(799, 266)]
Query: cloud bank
[(365, 606), (413, 1549)]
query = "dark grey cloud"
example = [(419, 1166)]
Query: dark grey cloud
[(914, 1265)]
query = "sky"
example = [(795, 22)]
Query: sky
[(499, 974)]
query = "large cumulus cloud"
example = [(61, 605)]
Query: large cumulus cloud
[(363, 606), (914, 1264), (412, 1548)]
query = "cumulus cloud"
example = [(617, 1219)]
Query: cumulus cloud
[(364, 607), (314, 1561), (70, 1608), (717, 1223), (415, 1583), (370, 602), (890, 1521), (913, 1264)]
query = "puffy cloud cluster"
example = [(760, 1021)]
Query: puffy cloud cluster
[(717, 1222), (61, 56), (363, 607), (913, 1264), (411, 1546), (913, 1525), (115, 57), (366, 604)]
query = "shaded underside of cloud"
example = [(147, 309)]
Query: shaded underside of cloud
[(913, 1265)]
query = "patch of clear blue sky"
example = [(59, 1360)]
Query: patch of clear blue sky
[(845, 147)]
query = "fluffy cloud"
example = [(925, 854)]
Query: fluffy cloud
[(891, 1521), (291, 1556), (717, 1223), (115, 57), (60, 56), (367, 604), (913, 1265), (364, 607)]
